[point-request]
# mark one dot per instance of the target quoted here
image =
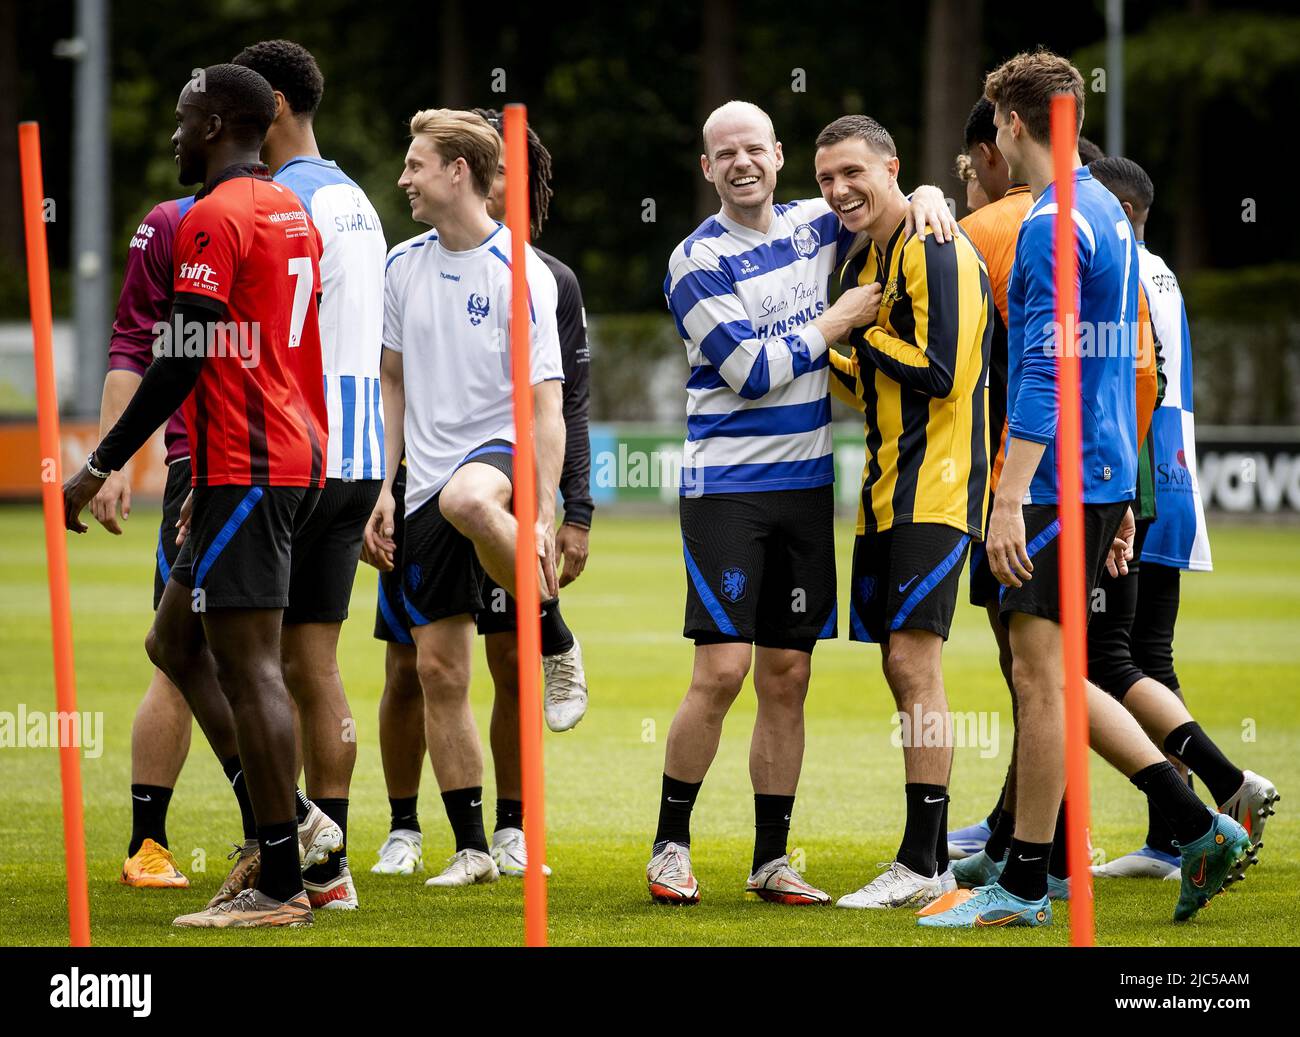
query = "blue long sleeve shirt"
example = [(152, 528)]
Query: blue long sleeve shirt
[(1107, 306)]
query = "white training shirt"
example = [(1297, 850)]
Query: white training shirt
[(351, 312), (448, 314)]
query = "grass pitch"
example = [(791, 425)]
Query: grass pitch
[(1238, 659)]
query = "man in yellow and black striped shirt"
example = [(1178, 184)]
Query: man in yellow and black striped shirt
[(919, 370)]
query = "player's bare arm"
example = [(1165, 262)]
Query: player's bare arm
[(1005, 541), (548, 418), (1121, 550), (378, 547)]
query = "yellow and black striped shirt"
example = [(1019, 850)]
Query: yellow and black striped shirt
[(920, 375)]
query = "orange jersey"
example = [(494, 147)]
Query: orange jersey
[(1148, 388), (993, 229)]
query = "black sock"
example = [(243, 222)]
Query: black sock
[(1003, 829), (1188, 817), (1193, 747), (337, 811), (1059, 864), (941, 847), (148, 815), (1159, 835), (235, 775), (675, 806), (992, 819), (302, 804), (925, 805), (771, 827), (403, 814), (465, 812), (556, 636), (510, 814), (281, 875), (1025, 875)]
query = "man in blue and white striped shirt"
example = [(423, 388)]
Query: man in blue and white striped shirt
[(748, 291), (327, 548)]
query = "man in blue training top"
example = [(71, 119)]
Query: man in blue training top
[(1023, 533)]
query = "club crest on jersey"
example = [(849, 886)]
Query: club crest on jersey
[(733, 584), (478, 308), (805, 240)]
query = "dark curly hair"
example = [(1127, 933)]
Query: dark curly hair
[(539, 171), (290, 69)]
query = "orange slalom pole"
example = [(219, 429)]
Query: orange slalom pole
[(56, 547), (527, 594), (1069, 448)]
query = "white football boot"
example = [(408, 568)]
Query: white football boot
[(318, 837), (670, 877), (401, 854), (1145, 863), (511, 854), (466, 868), (565, 700), (778, 883), (899, 886), (1250, 806), (336, 894)]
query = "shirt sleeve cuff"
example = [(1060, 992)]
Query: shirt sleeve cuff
[(578, 513), (814, 340), (122, 362), (1033, 436)]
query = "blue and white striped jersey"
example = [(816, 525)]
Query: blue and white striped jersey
[(351, 312), (1178, 536), (758, 412)]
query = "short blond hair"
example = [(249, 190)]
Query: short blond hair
[(458, 134)]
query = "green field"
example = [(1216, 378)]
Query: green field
[(1238, 658)]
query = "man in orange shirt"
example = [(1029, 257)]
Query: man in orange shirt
[(993, 229)]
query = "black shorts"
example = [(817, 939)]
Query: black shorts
[(760, 567), (905, 578), (326, 552), (498, 613), (984, 585), (436, 572), (391, 621), (174, 494), (239, 553), (1153, 626), (1112, 611), (1041, 596)]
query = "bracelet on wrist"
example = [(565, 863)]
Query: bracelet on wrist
[(94, 469)]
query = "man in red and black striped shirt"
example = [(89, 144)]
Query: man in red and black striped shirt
[(244, 338)]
